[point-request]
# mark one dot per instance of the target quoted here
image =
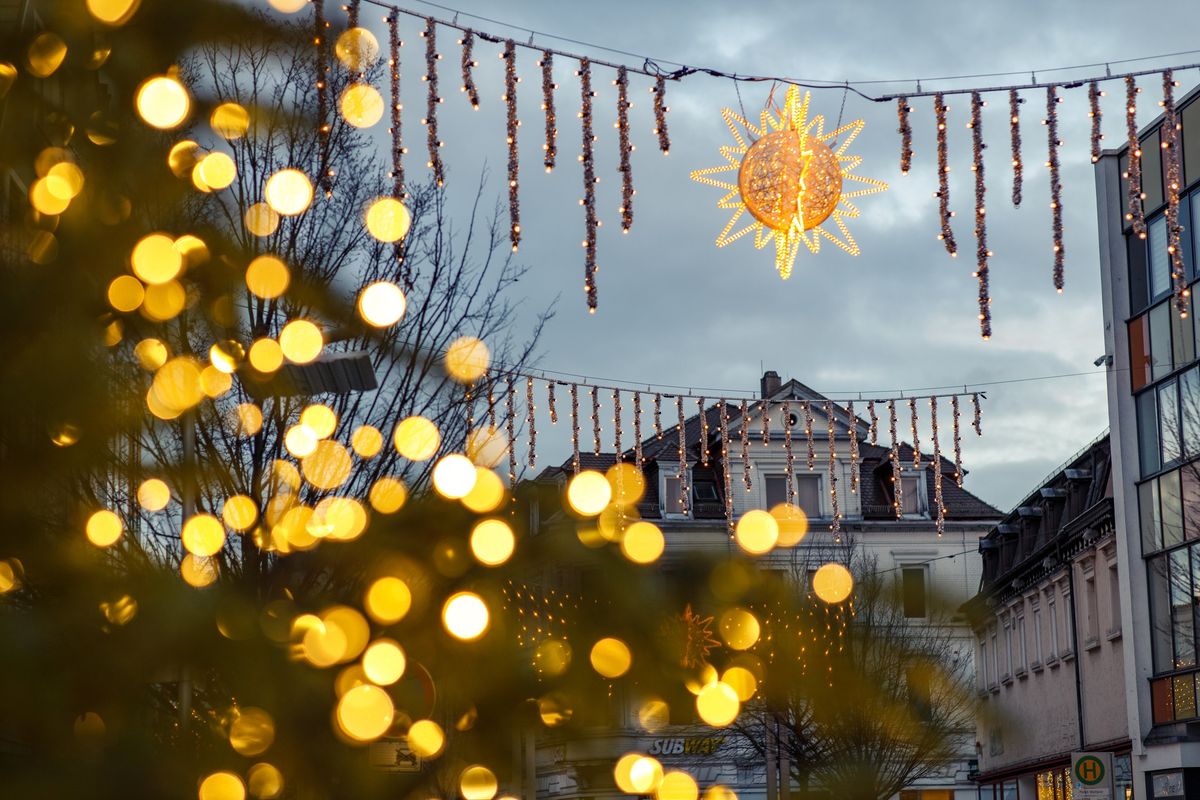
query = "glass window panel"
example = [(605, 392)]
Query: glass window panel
[(914, 591), (1189, 412), (1160, 262), (1139, 352), (1168, 412), (1190, 117), (808, 494), (777, 490), (1183, 341), (911, 494), (1123, 209), (1160, 340), (1185, 696), (1185, 240), (671, 498), (1190, 479), (1162, 700), (1152, 538), (1147, 419), (1152, 179), (1139, 285), (1182, 624), (1170, 496), (1160, 615)]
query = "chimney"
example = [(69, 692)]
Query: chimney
[(770, 383)]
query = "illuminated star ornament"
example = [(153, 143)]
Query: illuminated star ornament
[(790, 180)]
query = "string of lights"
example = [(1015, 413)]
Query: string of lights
[(1056, 216), (946, 236), (982, 254), (1014, 130)]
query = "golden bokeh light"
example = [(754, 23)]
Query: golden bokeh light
[(64, 180), (381, 304), (164, 301), (362, 105), (388, 220), (492, 542), (384, 662), (366, 441), (677, 785), (239, 512), (229, 120), (265, 781), (320, 419), (742, 681), (215, 382), (289, 192), (183, 157), (611, 657), (465, 616), (299, 440), (104, 528), (627, 482), (45, 54), (739, 628), (588, 493), (252, 731), (120, 611), (718, 704), (176, 385), (454, 476), (654, 715), (388, 600), (248, 419), (193, 249), (643, 542), (125, 293), (417, 439), (467, 359), (426, 739), (833, 583), (222, 786), (357, 49), (388, 495), (719, 792), (327, 466), (487, 494), (226, 356), (756, 532), (153, 494), (215, 171), (150, 353), (487, 445), (365, 713), (552, 657), (155, 259), (203, 535), (477, 782), (793, 524), (42, 198), (267, 277), (266, 355), (261, 220), (301, 341), (198, 571), (635, 773), (9, 579), (289, 6), (113, 12), (163, 102), (341, 519)]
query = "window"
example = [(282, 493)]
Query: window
[(672, 495), (1114, 599), (1147, 424), (1008, 647), (777, 489), (1182, 623), (995, 659), (705, 492), (1052, 617), (913, 591), (910, 488), (1022, 653), (1139, 289), (1168, 409), (1068, 622), (1091, 610), (983, 663), (808, 495), (1035, 613), (1160, 261)]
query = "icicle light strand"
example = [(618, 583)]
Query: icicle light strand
[(531, 421), (982, 254), (1133, 173), (937, 469), (897, 479), (514, 166), (916, 435), (637, 429), (660, 114), (491, 409), (510, 422), (575, 428), (468, 64), (874, 422), (808, 434), (702, 412), (836, 527), (683, 481), (764, 412), (398, 150), (550, 403), (1053, 142), (550, 146), (352, 11), (958, 476), (616, 396), (745, 431), (727, 478), (943, 192), (321, 27), (626, 167), (587, 156), (1174, 182), (432, 101), (903, 109), (853, 448), (658, 428), (787, 450), (1014, 131), (1094, 95), (978, 422), (595, 419)]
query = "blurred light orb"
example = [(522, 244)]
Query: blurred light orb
[(261, 220), (104, 528), (552, 657), (381, 304), (627, 482), (341, 519), (487, 494), (793, 524), (417, 439), (113, 12), (216, 171), (164, 301), (183, 157), (42, 198), (266, 356), (265, 781), (832, 583), (163, 102), (301, 341), (299, 440), (492, 542), (611, 657), (366, 441), (643, 542), (229, 121), (654, 715), (267, 277), (327, 466), (64, 180), (426, 739), (467, 359), (203, 535), (588, 493), (718, 704), (320, 419), (477, 782), (718, 792), (365, 713), (465, 616), (226, 355), (289, 192), (384, 662), (388, 600), (126, 293), (645, 774), (45, 54), (742, 681), (252, 731), (756, 532), (249, 419), (677, 785), (239, 512), (739, 628), (362, 105), (153, 494), (155, 259), (222, 786), (288, 6), (454, 476), (388, 220), (388, 495), (357, 49)]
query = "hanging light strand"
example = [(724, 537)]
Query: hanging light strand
[(514, 167), (1174, 182), (616, 396), (626, 166), (575, 427), (897, 481), (510, 422), (637, 429), (550, 403), (703, 414), (468, 64), (432, 100), (1014, 132), (808, 434), (766, 423), (321, 27), (660, 114), (658, 428), (982, 254), (916, 441), (787, 450), (550, 146), (853, 447), (727, 478), (1052, 101), (943, 192), (958, 475), (491, 403), (874, 422), (1133, 174), (978, 422), (683, 481), (1094, 95), (595, 393), (903, 109), (937, 468), (531, 421), (745, 431), (352, 11), (587, 156), (397, 175)]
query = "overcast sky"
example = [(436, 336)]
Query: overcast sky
[(673, 309)]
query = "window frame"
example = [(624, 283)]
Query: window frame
[(672, 473)]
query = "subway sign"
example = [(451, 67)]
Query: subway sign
[(685, 746)]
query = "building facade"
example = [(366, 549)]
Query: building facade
[(1049, 636), (932, 569), (1154, 416)]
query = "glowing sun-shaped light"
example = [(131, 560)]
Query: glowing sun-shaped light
[(789, 180)]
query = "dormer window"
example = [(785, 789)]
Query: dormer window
[(911, 490), (705, 492), (670, 491)]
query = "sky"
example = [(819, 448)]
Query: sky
[(675, 310)]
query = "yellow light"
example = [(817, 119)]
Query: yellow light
[(183, 157), (176, 384), (477, 783), (299, 440), (637, 774), (45, 54), (793, 524), (611, 657), (327, 466), (366, 441), (388, 220), (222, 786), (225, 356), (239, 512), (467, 359), (289, 192), (46, 201), (288, 6), (417, 439), (718, 792), (381, 304), (362, 105), (588, 493), (320, 419), (229, 121), (267, 277), (742, 681), (643, 543), (216, 171), (487, 494), (163, 102), (104, 528), (756, 532), (677, 785), (552, 657), (164, 301), (387, 600), (492, 542), (203, 535), (261, 220), (739, 628), (426, 739), (214, 382), (64, 180), (718, 704), (252, 731), (384, 662), (9, 579), (248, 419), (465, 616), (357, 49), (151, 353), (125, 293), (341, 519), (155, 259), (113, 12), (454, 476), (832, 583), (365, 713), (266, 781), (388, 495), (301, 341), (153, 494)]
